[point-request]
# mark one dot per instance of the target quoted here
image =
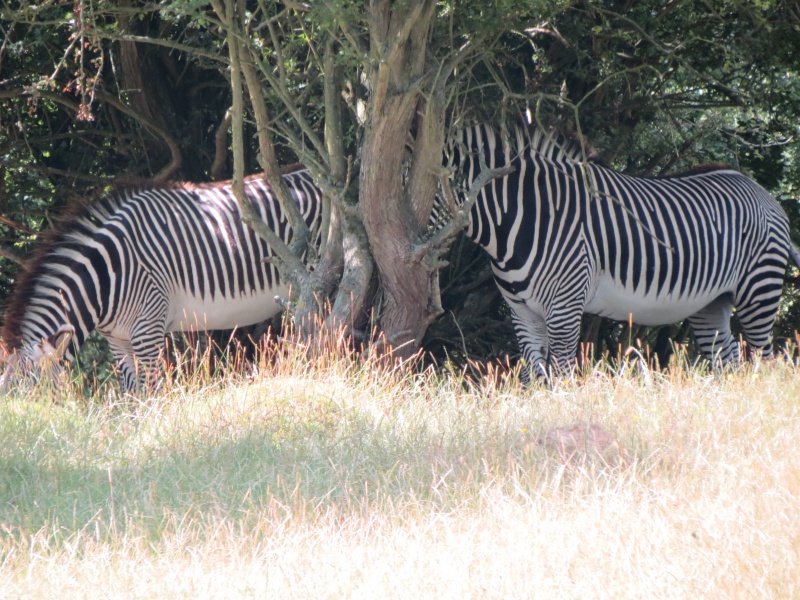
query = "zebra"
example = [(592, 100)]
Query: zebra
[(139, 263), (567, 235)]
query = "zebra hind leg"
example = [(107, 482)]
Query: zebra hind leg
[(757, 318), (712, 330)]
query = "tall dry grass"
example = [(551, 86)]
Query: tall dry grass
[(348, 478)]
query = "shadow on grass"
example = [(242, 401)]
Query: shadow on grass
[(63, 474)]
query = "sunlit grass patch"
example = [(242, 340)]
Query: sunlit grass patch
[(348, 477)]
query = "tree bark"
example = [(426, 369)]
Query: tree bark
[(410, 285)]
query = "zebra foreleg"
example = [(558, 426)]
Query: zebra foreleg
[(564, 332), (127, 367), (148, 349), (712, 330), (139, 360), (533, 342), (551, 342)]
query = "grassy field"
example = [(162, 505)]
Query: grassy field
[(348, 480)]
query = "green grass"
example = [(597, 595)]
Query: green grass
[(348, 479)]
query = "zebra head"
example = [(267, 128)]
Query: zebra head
[(35, 360), (44, 323)]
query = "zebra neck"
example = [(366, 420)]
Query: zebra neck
[(482, 228), (535, 195), (49, 313)]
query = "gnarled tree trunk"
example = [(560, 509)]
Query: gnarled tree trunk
[(409, 284)]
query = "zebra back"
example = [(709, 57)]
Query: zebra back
[(186, 236)]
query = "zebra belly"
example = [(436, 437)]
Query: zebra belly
[(198, 314), (617, 302)]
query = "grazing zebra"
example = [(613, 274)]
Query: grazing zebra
[(139, 263), (568, 236)]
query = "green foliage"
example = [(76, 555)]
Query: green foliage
[(656, 86)]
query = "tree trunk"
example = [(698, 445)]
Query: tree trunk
[(410, 290), (409, 284)]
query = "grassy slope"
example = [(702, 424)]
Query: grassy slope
[(352, 481)]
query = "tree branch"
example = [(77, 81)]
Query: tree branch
[(461, 217), (9, 255), (221, 147), (175, 151), (142, 39), (269, 161), (14, 225), (285, 96), (176, 160), (290, 266), (726, 89), (352, 37)]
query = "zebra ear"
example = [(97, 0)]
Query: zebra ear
[(59, 342)]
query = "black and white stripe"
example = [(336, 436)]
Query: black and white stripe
[(567, 235), (143, 262)]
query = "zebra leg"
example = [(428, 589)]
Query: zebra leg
[(139, 358), (148, 349), (533, 341), (127, 365), (564, 332), (712, 330), (757, 316)]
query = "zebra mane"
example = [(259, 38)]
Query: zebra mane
[(521, 138), (554, 144), (698, 170)]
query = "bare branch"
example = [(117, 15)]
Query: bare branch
[(269, 161), (283, 93), (221, 147), (142, 39), (14, 225), (352, 38), (77, 175), (461, 216), (276, 46), (291, 267), (9, 255), (551, 31), (177, 158), (729, 91)]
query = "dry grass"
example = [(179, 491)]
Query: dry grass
[(350, 480)]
